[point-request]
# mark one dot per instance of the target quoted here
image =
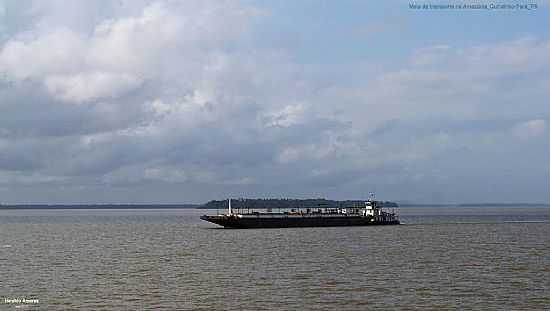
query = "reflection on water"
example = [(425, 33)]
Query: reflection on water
[(460, 258)]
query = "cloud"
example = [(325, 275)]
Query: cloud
[(35, 55), (431, 55), (184, 101), (117, 54), (529, 129), (85, 87), (285, 117)]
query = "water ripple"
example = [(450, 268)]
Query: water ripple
[(169, 260)]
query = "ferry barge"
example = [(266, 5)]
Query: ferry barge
[(368, 215)]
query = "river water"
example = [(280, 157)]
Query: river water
[(140, 259)]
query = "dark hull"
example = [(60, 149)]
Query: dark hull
[(291, 222)]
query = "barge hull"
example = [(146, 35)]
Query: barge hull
[(291, 222)]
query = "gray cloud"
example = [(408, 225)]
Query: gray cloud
[(179, 101)]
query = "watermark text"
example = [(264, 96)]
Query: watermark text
[(473, 6)]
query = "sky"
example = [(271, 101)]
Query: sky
[(189, 101)]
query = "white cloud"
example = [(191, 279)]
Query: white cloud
[(473, 83), (36, 54), (159, 107), (431, 55), (165, 41), (133, 43), (285, 117), (90, 86), (529, 129)]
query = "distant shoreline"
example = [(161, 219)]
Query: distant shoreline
[(202, 206), (477, 205)]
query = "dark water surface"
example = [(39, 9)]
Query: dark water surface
[(441, 259)]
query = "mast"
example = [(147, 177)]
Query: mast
[(229, 207)]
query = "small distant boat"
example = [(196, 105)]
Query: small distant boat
[(368, 215)]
